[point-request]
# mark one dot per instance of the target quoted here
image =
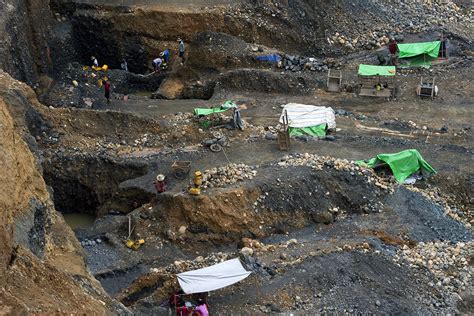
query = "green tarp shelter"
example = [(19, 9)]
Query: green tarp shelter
[(372, 70), (403, 164), (306, 119), (418, 54), (224, 107), (314, 131), (430, 49)]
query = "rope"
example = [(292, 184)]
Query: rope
[(223, 150)]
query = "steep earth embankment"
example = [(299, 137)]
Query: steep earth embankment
[(25, 30), (41, 262)]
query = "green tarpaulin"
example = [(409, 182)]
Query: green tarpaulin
[(206, 111), (417, 61), (430, 49), (402, 164), (318, 130), (372, 70), (224, 107)]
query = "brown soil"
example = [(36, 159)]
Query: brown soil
[(389, 239), (39, 253)]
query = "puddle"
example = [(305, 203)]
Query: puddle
[(79, 220), (115, 282), (142, 93)]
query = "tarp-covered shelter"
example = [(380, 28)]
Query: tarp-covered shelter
[(403, 164), (418, 54), (212, 278), (309, 120), (203, 113), (376, 81), (373, 70)]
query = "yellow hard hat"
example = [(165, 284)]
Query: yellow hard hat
[(198, 174)]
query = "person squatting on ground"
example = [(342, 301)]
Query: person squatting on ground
[(107, 90), (181, 50), (157, 64), (160, 184), (165, 55)]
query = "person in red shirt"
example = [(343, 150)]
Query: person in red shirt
[(392, 48), (107, 90), (160, 184)]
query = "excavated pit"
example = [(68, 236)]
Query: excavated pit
[(90, 184), (322, 230)]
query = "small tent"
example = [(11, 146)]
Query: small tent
[(418, 54), (309, 120), (376, 81), (403, 164), (212, 278)]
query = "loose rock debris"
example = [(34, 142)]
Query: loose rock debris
[(319, 233)]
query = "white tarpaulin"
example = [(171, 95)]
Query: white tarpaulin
[(303, 115), (212, 278)]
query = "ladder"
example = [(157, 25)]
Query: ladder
[(284, 135)]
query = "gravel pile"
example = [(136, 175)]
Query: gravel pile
[(179, 118), (199, 262), (399, 18), (435, 195), (319, 162), (298, 63), (448, 262), (227, 175)]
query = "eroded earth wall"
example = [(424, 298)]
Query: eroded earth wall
[(42, 267), (24, 36)]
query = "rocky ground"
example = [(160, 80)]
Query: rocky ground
[(319, 233)]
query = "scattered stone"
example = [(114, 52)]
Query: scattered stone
[(182, 230), (246, 251), (448, 262), (227, 175), (324, 217)]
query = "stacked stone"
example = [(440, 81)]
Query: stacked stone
[(227, 175)]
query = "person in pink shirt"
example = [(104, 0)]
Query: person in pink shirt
[(201, 308)]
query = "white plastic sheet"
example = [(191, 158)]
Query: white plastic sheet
[(213, 277), (303, 115)]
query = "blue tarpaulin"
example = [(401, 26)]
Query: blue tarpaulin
[(272, 58)]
